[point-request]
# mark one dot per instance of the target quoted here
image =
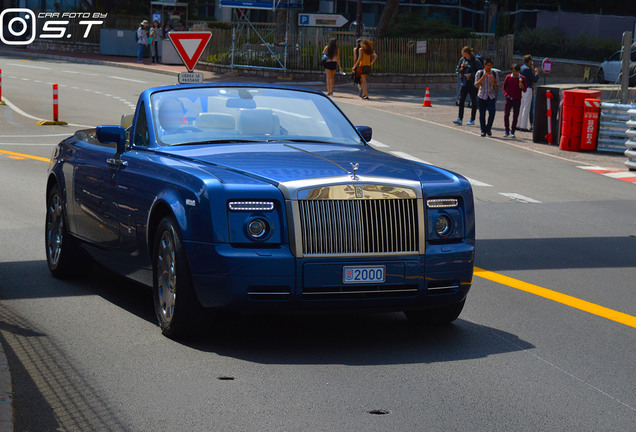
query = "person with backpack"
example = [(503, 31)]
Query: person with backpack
[(487, 80), (467, 68)]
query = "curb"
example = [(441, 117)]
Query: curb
[(6, 397)]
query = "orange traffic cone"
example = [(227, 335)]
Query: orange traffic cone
[(427, 99)]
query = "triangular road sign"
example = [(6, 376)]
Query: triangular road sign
[(189, 46)]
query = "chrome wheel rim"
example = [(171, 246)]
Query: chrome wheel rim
[(166, 276), (54, 230)]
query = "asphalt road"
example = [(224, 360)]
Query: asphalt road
[(527, 354)]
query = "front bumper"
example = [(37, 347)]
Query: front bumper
[(229, 277)]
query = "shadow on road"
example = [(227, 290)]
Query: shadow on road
[(326, 338), (555, 253)]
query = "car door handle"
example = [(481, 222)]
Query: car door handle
[(116, 162)]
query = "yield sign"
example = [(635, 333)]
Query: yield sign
[(189, 46)]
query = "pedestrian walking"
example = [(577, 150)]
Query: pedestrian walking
[(142, 40), (513, 87), (487, 81), (467, 68), (531, 74), (365, 61), (357, 72), (153, 39), (331, 54)]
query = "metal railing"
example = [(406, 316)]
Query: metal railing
[(304, 49), (631, 142), (613, 126)]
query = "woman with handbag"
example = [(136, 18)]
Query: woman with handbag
[(365, 61), (331, 60)]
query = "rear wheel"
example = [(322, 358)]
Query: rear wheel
[(61, 248), (437, 316), (176, 305)]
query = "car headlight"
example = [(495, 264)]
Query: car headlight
[(258, 228), (443, 226)]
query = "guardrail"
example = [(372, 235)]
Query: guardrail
[(631, 142), (612, 127)]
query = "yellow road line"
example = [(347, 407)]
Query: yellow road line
[(25, 155), (565, 299)]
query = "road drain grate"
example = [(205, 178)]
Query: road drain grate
[(226, 378)]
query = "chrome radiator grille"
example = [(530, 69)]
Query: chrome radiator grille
[(363, 226)]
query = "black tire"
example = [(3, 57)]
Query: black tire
[(438, 316), (176, 306), (601, 76), (61, 248)]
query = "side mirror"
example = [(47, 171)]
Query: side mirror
[(113, 134), (365, 131)]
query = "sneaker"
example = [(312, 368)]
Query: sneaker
[(470, 122), (483, 134), (506, 135), (458, 121), (512, 135)]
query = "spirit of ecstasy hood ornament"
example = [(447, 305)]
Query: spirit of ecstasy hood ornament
[(354, 175)]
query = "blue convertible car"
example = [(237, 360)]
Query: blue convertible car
[(259, 197)]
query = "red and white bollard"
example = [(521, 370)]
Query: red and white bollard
[(55, 109), (548, 114), (55, 120), (1, 101)]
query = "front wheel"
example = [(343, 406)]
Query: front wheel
[(437, 316), (601, 76), (176, 305), (60, 246)]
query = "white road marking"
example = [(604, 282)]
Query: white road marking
[(128, 79), (409, 157), (31, 136), (595, 168), (477, 182), (28, 66), (520, 198), (375, 143), (22, 113), (71, 72), (622, 174)]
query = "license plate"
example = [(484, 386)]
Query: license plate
[(363, 274)]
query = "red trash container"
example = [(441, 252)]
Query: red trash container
[(572, 117)]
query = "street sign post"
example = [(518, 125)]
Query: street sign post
[(321, 20), (546, 65), (189, 46)]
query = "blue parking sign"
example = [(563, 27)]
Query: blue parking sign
[(303, 19)]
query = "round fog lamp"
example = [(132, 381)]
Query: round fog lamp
[(443, 226), (257, 228)]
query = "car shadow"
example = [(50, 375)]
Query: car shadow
[(357, 339)]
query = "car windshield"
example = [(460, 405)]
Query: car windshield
[(247, 114)]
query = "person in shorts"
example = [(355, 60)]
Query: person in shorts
[(365, 61), (331, 63)]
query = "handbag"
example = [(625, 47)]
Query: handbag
[(323, 59)]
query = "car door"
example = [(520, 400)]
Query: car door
[(136, 191), (94, 190)]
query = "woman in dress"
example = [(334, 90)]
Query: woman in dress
[(365, 61)]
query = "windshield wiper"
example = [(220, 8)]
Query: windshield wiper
[(299, 140)]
